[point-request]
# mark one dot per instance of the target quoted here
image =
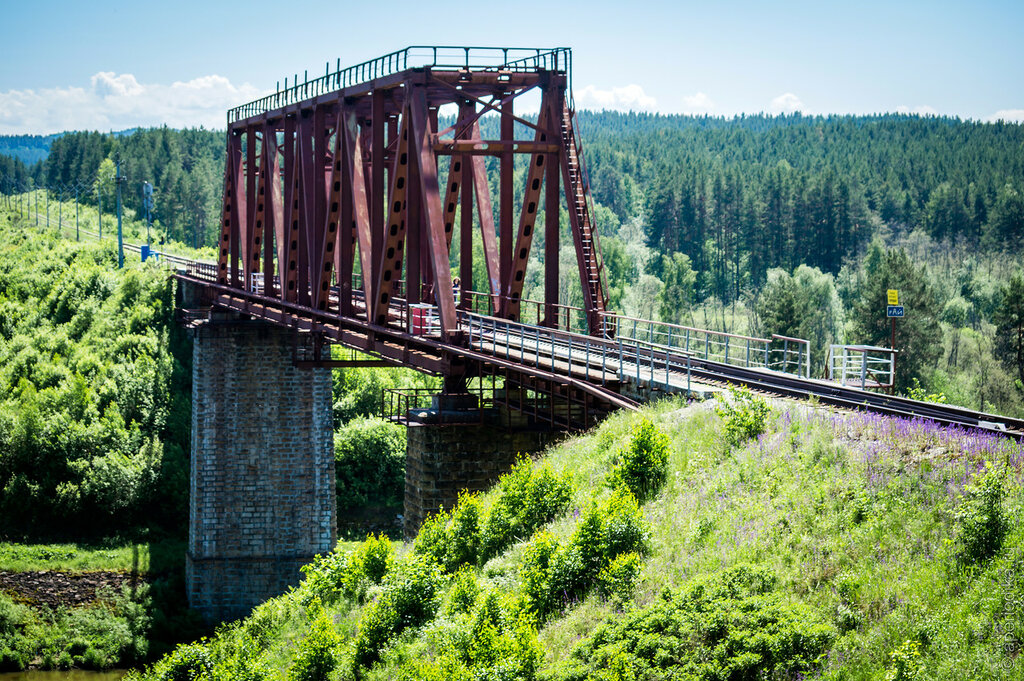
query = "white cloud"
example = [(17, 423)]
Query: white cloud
[(923, 110), (786, 103), (698, 103), (1007, 115), (629, 98), (117, 102)]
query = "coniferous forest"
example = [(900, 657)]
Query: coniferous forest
[(760, 224)]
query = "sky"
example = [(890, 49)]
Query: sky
[(72, 65)]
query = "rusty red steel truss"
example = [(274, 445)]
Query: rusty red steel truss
[(342, 195)]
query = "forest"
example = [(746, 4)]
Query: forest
[(763, 224)]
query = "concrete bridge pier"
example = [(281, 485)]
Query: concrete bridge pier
[(453, 447), (262, 500)]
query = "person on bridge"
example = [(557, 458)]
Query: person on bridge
[(456, 283)]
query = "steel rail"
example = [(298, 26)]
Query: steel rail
[(599, 352)]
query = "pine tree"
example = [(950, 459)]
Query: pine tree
[(1009, 320)]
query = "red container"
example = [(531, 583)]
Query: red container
[(418, 321)]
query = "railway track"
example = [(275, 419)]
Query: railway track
[(763, 381), (854, 399)]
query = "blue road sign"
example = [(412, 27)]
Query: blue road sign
[(894, 311)]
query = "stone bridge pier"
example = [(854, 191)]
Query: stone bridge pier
[(446, 453), (262, 490)]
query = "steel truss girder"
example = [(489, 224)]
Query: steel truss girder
[(304, 190)]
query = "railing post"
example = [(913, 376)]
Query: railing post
[(586, 360), (621, 373), (863, 370), (604, 362), (637, 353)]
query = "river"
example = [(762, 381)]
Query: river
[(69, 675)]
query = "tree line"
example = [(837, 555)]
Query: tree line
[(185, 167), (701, 210)]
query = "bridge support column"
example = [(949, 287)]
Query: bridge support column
[(446, 454), (262, 498)]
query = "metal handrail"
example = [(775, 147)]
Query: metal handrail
[(848, 368), (514, 59)]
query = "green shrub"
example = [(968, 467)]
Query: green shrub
[(904, 662), (554, 575), (731, 625), (15, 653), (351, 573), (432, 539), (470, 534), (410, 598), (642, 466), (452, 539), (318, 653), (496, 642), (369, 463), (463, 533), (535, 572), (625, 529), (618, 580), (744, 414), (188, 662), (463, 592), (980, 519), (527, 498)]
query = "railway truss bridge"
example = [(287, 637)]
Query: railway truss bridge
[(347, 198)]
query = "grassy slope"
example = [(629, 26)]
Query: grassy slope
[(853, 514)]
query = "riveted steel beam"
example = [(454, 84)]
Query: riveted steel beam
[(433, 213), (513, 286), (393, 244)]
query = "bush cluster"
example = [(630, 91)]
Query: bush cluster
[(369, 458), (318, 653), (981, 522), (188, 662), (100, 637), (642, 466), (410, 596), (94, 397), (527, 498), (554, 575), (493, 639), (730, 625), (744, 415), (349, 574)]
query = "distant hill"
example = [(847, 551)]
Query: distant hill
[(29, 149)]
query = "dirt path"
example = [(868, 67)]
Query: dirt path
[(53, 588)]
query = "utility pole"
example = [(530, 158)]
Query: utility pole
[(77, 187), (46, 190), (120, 238), (99, 207), (147, 200)]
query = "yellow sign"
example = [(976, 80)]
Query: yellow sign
[(894, 298)]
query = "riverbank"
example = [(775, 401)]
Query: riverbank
[(91, 607)]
